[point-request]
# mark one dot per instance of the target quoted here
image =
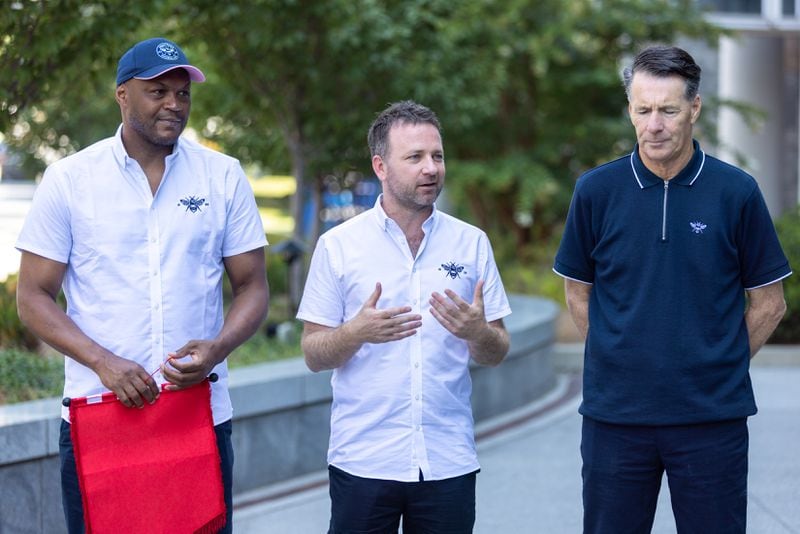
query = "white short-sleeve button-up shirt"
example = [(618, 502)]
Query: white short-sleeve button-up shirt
[(144, 273), (402, 407)]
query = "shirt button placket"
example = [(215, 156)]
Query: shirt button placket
[(156, 312)]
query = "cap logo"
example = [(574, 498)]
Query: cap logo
[(167, 51)]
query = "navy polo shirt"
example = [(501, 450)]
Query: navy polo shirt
[(669, 262)]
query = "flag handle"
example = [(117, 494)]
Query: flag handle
[(213, 377)]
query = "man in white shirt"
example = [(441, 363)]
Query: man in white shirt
[(397, 301), (139, 229)]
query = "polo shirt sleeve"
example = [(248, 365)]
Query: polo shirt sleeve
[(243, 228), (47, 231), (322, 301), (495, 300), (761, 257), (574, 257)]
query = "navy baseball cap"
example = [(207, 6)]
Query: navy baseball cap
[(153, 57)]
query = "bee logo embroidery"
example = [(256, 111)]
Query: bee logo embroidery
[(193, 204), (452, 270), (697, 227)]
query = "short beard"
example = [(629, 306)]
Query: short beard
[(139, 127)]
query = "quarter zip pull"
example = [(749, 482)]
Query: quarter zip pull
[(664, 213)]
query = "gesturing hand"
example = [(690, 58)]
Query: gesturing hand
[(460, 318), (373, 325)]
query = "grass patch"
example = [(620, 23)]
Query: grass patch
[(27, 375)]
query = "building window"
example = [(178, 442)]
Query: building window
[(789, 8), (738, 6)]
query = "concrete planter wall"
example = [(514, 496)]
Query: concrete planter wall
[(281, 413)]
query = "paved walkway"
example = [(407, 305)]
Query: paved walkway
[(530, 478)]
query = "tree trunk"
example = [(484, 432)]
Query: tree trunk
[(296, 271)]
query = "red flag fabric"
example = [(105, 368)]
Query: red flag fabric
[(154, 470)]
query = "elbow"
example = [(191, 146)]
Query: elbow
[(24, 310), (779, 311), (495, 361), (313, 365)]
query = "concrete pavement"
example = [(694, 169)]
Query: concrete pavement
[(530, 479)]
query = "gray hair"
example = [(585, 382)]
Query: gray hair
[(404, 112), (665, 61)]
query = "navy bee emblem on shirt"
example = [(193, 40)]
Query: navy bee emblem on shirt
[(193, 203), (453, 270), (697, 227)]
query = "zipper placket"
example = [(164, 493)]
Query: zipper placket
[(664, 213)]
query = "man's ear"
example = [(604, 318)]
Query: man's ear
[(121, 94), (697, 105), (379, 166)]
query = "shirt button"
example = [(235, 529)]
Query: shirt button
[(156, 306), (416, 397), (416, 364), (419, 428)]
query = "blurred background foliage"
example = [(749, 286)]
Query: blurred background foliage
[(528, 92)]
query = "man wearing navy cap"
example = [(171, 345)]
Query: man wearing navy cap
[(139, 229), (673, 273)]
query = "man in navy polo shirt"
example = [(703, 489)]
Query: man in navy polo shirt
[(673, 274)]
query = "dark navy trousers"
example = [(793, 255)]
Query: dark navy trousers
[(71, 492), (367, 505), (706, 467)]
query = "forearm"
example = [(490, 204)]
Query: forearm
[(762, 317), (328, 348), (245, 315), (577, 298), (47, 321), (491, 345)]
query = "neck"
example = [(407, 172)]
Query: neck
[(410, 222), (149, 156), (671, 169), (145, 153)]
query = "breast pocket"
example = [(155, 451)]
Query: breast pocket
[(195, 225), (456, 276)]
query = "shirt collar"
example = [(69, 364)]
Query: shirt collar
[(383, 220), (121, 155), (687, 176)]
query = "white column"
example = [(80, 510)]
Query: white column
[(772, 9), (750, 70)]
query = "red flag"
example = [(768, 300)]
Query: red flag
[(154, 469)]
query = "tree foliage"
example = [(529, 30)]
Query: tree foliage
[(528, 91), (560, 105), (59, 58)]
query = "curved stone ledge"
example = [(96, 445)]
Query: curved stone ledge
[(281, 420)]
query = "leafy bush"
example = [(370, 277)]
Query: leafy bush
[(788, 227), (27, 376), (13, 333)]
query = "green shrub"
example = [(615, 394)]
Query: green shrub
[(788, 227), (27, 376), (13, 333)]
